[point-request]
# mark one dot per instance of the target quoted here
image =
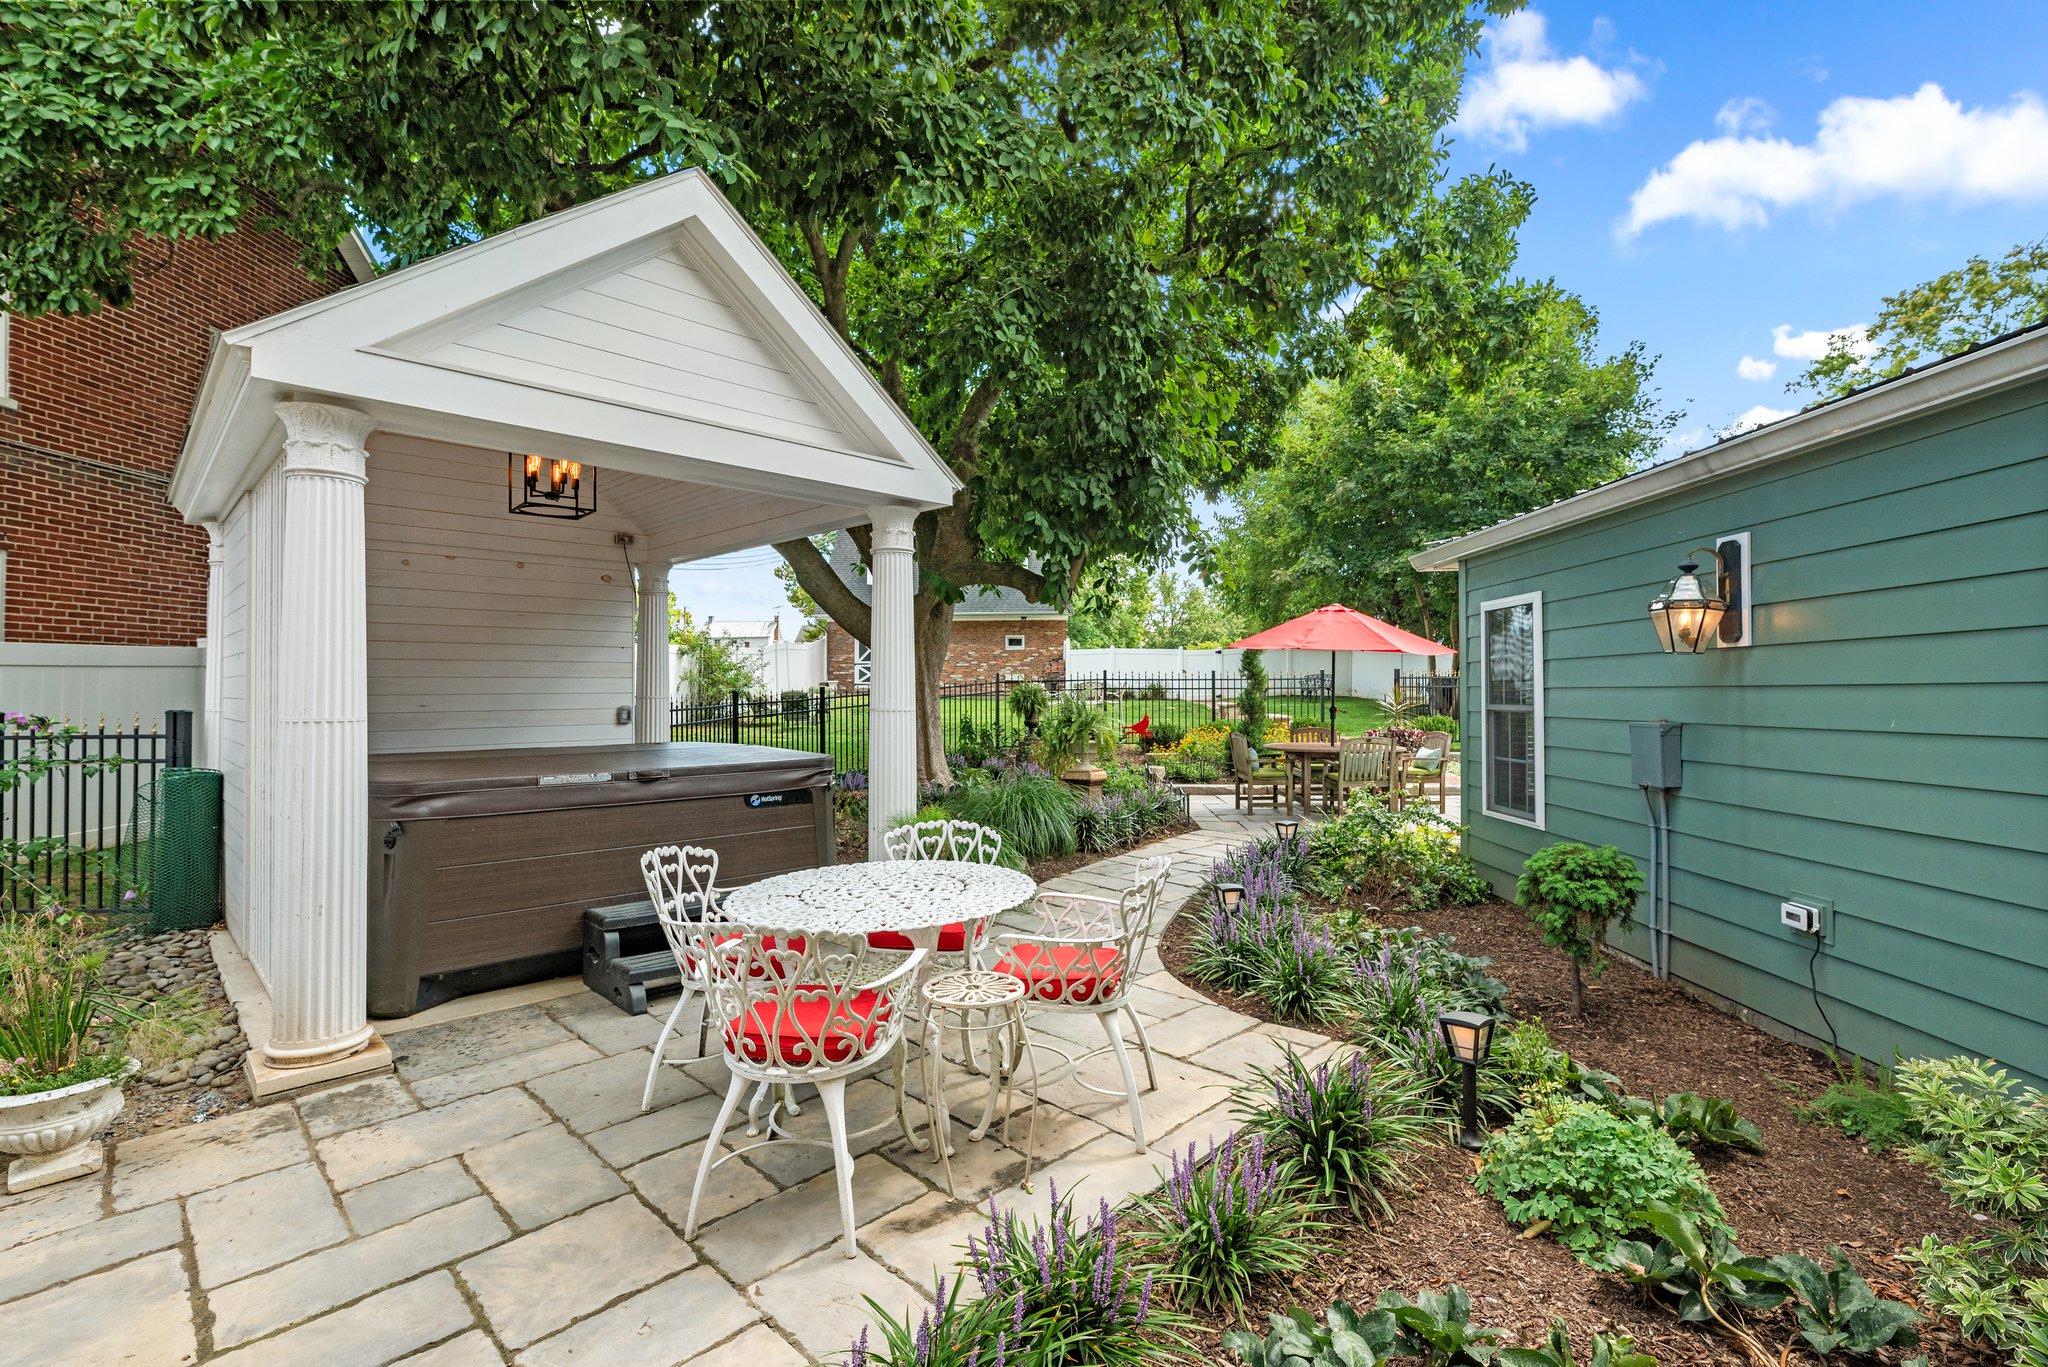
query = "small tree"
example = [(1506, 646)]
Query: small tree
[(1251, 702), (1574, 893)]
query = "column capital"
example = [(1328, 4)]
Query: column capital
[(894, 527), (324, 439), (216, 543)]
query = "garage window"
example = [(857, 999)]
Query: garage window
[(1013, 643)]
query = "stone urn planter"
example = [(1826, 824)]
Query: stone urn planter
[(49, 1135)]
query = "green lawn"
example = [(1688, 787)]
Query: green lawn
[(845, 735)]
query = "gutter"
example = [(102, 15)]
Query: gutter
[(1942, 385)]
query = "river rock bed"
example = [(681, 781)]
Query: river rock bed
[(206, 1079)]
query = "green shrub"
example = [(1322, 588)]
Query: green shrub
[(1251, 700), (1347, 1127), (1574, 893), (1221, 1223), (1186, 769), (1528, 1065), (1409, 856), (1588, 1172), (1435, 721), (1873, 1111), (1035, 814), (1985, 1138), (1164, 735)]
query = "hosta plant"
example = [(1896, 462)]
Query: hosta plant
[(1347, 1127), (1437, 1328), (1699, 1271), (1225, 1221), (1345, 1338), (1608, 1351), (1837, 1310)]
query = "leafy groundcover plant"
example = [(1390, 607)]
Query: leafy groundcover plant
[(1985, 1138), (1408, 857), (1034, 813), (1347, 1127), (1588, 1173), (1434, 1330), (1224, 1221)]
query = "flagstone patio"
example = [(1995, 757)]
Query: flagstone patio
[(501, 1198)]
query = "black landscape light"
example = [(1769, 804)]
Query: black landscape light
[(1286, 830), (1470, 1037), (1229, 896)]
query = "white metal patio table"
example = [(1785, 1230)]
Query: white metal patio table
[(916, 898)]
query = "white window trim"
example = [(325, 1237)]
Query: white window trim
[(1013, 643), (863, 664), (1535, 602)]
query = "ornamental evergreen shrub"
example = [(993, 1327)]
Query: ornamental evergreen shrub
[(1573, 893), (1589, 1172)]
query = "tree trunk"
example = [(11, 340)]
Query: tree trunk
[(934, 618), (1578, 992)]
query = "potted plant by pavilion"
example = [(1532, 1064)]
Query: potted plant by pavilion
[(61, 1061), (1074, 734)]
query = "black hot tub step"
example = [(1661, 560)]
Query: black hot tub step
[(623, 951)]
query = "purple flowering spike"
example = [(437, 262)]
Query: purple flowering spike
[(1145, 1298), (859, 1356), (1017, 1315)]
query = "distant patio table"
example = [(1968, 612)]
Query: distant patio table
[(916, 898), (1302, 755)]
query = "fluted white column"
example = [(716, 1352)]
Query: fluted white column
[(892, 679), (216, 573), (651, 687), (319, 818)]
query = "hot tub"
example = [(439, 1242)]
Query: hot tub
[(482, 862)]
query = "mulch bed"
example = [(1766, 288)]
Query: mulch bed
[(1814, 1187)]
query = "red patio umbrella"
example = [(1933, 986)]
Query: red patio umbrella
[(1336, 628)]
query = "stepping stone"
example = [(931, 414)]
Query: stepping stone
[(663, 1325), (372, 1331), (758, 1347), (777, 1231), (87, 1248), (137, 1315), (262, 1221), (195, 1158), (354, 1106), (594, 1095), (509, 1071), (822, 1302), (543, 1175), (394, 1200), (413, 1141), (541, 1281)]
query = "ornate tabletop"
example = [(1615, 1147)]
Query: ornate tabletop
[(900, 895)]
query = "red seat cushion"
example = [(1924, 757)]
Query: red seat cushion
[(795, 945), (952, 939), (1073, 974), (840, 1032)]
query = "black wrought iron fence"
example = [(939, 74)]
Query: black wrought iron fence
[(72, 817), (1432, 693), (824, 721)]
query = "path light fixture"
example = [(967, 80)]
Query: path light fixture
[(1470, 1037), (1229, 896), (1690, 616), (1286, 830), (542, 486)]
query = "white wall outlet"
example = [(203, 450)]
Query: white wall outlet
[(1800, 916)]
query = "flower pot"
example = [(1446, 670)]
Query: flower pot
[(49, 1135)]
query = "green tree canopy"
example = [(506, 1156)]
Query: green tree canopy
[(1091, 249), (1401, 453), (1975, 302), (1120, 604)]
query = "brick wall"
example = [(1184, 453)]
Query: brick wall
[(977, 652), (94, 553)]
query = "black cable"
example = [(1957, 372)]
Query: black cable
[(1813, 981)]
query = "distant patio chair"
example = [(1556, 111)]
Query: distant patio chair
[(1247, 777), (1429, 764), (1317, 768), (1369, 762)]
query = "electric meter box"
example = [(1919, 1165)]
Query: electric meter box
[(1654, 753)]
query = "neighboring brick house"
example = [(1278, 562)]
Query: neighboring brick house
[(998, 633), (92, 415)]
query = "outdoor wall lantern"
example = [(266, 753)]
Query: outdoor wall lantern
[(540, 486), (1286, 829), (1229, 896), (1688, 619), (1470, 1036)]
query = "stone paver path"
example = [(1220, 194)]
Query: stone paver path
[(502, 1199)]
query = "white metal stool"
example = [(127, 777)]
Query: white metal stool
[(997, 999)]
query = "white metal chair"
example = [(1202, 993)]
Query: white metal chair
[(682, 882), (792, 1010), (960, 944), (1083, 960)]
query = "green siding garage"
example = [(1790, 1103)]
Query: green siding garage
[(1880, 745)]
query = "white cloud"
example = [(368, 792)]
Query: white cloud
[(1759, 416), (1813, 344), (1755, 368), (1747, 115), (1527, 86), (1916, 146)]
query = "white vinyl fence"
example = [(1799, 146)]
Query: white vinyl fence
[(87, 684), (780, 667), (1360, 673)]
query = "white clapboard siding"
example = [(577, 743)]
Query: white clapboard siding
[(487, 629), (231, 656), (656, 335)]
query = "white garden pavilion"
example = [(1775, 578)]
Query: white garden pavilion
[(370, 592)]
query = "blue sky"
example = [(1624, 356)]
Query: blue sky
[(1727, 183)]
